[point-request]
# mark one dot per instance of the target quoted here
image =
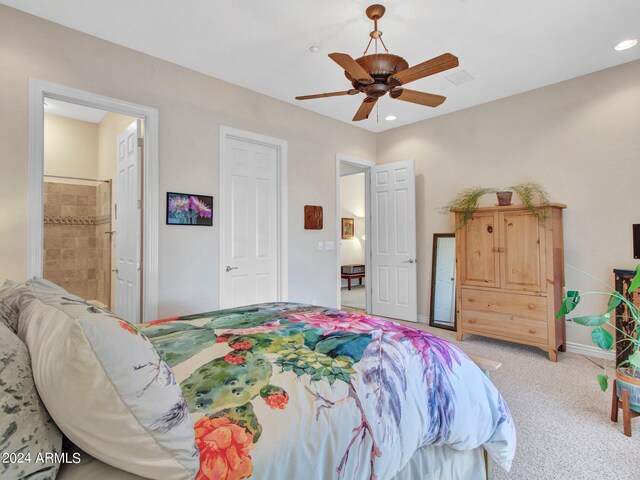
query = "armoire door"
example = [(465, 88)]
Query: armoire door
[(521, 246), (479, 262)]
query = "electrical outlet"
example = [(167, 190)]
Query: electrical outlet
[(329, 245)]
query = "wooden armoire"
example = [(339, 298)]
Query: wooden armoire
[(509, 276)]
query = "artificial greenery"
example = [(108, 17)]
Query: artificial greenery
[(601, 337), (532, 195)]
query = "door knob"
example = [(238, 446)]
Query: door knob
[(231, 268), (408, 261)]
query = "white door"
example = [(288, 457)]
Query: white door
[(444, 295), (128, 216), (249, 223), (393, 242)]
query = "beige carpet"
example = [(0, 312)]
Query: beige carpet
[(561, 416)]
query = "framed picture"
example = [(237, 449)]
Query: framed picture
[(347, 228), (189, 209)]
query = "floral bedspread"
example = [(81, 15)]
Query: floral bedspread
[(282, 390)]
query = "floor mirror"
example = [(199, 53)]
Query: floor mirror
[(442, 313)]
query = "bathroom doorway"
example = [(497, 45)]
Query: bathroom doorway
[(81, 184)]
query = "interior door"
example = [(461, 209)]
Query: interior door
[(393, 248), (479, 261), (128, 218), (249, 224), (521, 244)]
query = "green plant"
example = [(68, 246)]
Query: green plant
[(467, 202), (532, 195), (602, 337)]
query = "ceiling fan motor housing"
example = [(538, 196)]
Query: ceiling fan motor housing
[(380, 66)]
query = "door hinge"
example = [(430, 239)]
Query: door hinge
[(115, 211), (139, 204), (140, 141)]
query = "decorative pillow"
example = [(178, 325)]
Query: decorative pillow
[(106, 387), (28, 437), (9, 296)]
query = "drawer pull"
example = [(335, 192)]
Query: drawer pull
[(471, 320), (498, 249), (531, 306), (532, 331)]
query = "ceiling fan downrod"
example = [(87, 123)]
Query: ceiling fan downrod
[(375, 13)]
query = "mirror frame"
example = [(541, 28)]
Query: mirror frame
[(436, 236)]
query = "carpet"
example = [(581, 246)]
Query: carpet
[(561, 416), (354, 298)]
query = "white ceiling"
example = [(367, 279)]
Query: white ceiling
[(507, 46), (72, 110)]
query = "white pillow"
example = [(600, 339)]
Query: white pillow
[(106, 387)]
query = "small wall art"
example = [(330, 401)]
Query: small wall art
[(189, 209), (312, 217), (347, 228)]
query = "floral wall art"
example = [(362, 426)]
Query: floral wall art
[(189, 209)]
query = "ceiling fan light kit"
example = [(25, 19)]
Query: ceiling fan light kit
[(377, 74)]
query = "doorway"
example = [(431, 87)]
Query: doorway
[(79, 204), (390, 234), (85, 186), (253, 218), (352, 213), (353, 225)]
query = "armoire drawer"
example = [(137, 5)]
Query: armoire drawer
[(527, 306), (505, 325)]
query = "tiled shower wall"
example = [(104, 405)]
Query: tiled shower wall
[(74, 243)]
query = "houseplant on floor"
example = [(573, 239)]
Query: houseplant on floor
[(531, 194), (627, 371)]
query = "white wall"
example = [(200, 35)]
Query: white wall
[(191, 108), (579, 138), (352, 206)]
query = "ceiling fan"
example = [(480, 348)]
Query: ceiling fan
[(379, 73)]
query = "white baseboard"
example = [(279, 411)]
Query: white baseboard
[(423, 319), (590, 350)]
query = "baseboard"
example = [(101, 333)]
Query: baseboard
[(423, 319), (590, 350)]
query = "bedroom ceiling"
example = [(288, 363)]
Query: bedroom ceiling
[(506, 47)]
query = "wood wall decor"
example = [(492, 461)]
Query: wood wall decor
[(312, 217)]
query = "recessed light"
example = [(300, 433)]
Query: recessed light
[(626, 44), (390, 118), (314, 49)]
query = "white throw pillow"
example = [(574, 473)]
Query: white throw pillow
[(105, 385)]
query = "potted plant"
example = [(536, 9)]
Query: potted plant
[(627, 371), (532, 195)]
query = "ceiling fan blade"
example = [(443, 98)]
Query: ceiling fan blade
[(424, 69), (353, 91), (421, 98), (365, 109), (352, 67)]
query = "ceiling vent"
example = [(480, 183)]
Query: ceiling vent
[(460, 77)]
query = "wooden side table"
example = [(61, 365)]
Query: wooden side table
[(352, 276), (351, 272)]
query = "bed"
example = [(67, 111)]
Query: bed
[(309, 392)]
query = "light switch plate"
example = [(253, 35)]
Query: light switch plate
[(320, 245), (329, 245)]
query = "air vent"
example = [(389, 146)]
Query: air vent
[(460, 77)]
